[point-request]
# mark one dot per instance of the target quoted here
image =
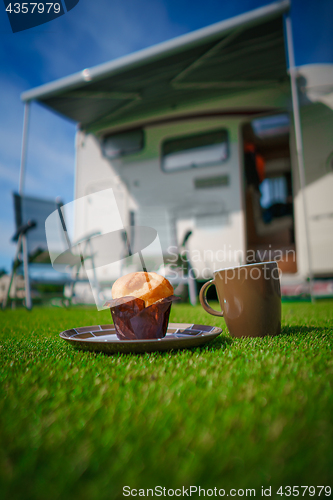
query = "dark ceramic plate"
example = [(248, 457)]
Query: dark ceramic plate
[(102, 338)]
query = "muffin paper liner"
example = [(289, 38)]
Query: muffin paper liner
[(134, 321)]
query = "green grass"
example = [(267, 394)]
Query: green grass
[(238, 413)]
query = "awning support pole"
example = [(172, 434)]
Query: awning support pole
[(299, 143), (24, 145)]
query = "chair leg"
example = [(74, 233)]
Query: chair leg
[(7, 293), (99, 291), (12, 274), (71, 291), (28, 302)]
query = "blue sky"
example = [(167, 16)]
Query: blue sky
[(96, 31)]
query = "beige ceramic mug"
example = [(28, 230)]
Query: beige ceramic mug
[(250, 299)]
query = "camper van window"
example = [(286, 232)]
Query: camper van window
[(125, 143), (194, 151), (271, 126)]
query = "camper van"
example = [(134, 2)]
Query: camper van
[(203, 136)]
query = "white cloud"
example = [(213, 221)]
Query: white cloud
[(50, 153), (9, 174), (95, 33)]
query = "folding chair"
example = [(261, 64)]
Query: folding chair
[(79, 271), (32, 250)]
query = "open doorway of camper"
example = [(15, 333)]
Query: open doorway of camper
[(268, 191)]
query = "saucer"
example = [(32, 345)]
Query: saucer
[(103, 338)]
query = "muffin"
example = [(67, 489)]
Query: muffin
[(141, 306)]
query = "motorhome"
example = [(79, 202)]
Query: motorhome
[(205, 134)]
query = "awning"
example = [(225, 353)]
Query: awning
[(242, 53)]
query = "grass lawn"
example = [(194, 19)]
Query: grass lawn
[(238, 413)]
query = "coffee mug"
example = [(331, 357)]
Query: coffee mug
[(250, 299)]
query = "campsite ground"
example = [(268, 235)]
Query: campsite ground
[(236, 414)]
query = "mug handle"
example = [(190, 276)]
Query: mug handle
[(203, 299)]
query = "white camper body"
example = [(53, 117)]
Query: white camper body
[(173, 202), (183, 115)]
